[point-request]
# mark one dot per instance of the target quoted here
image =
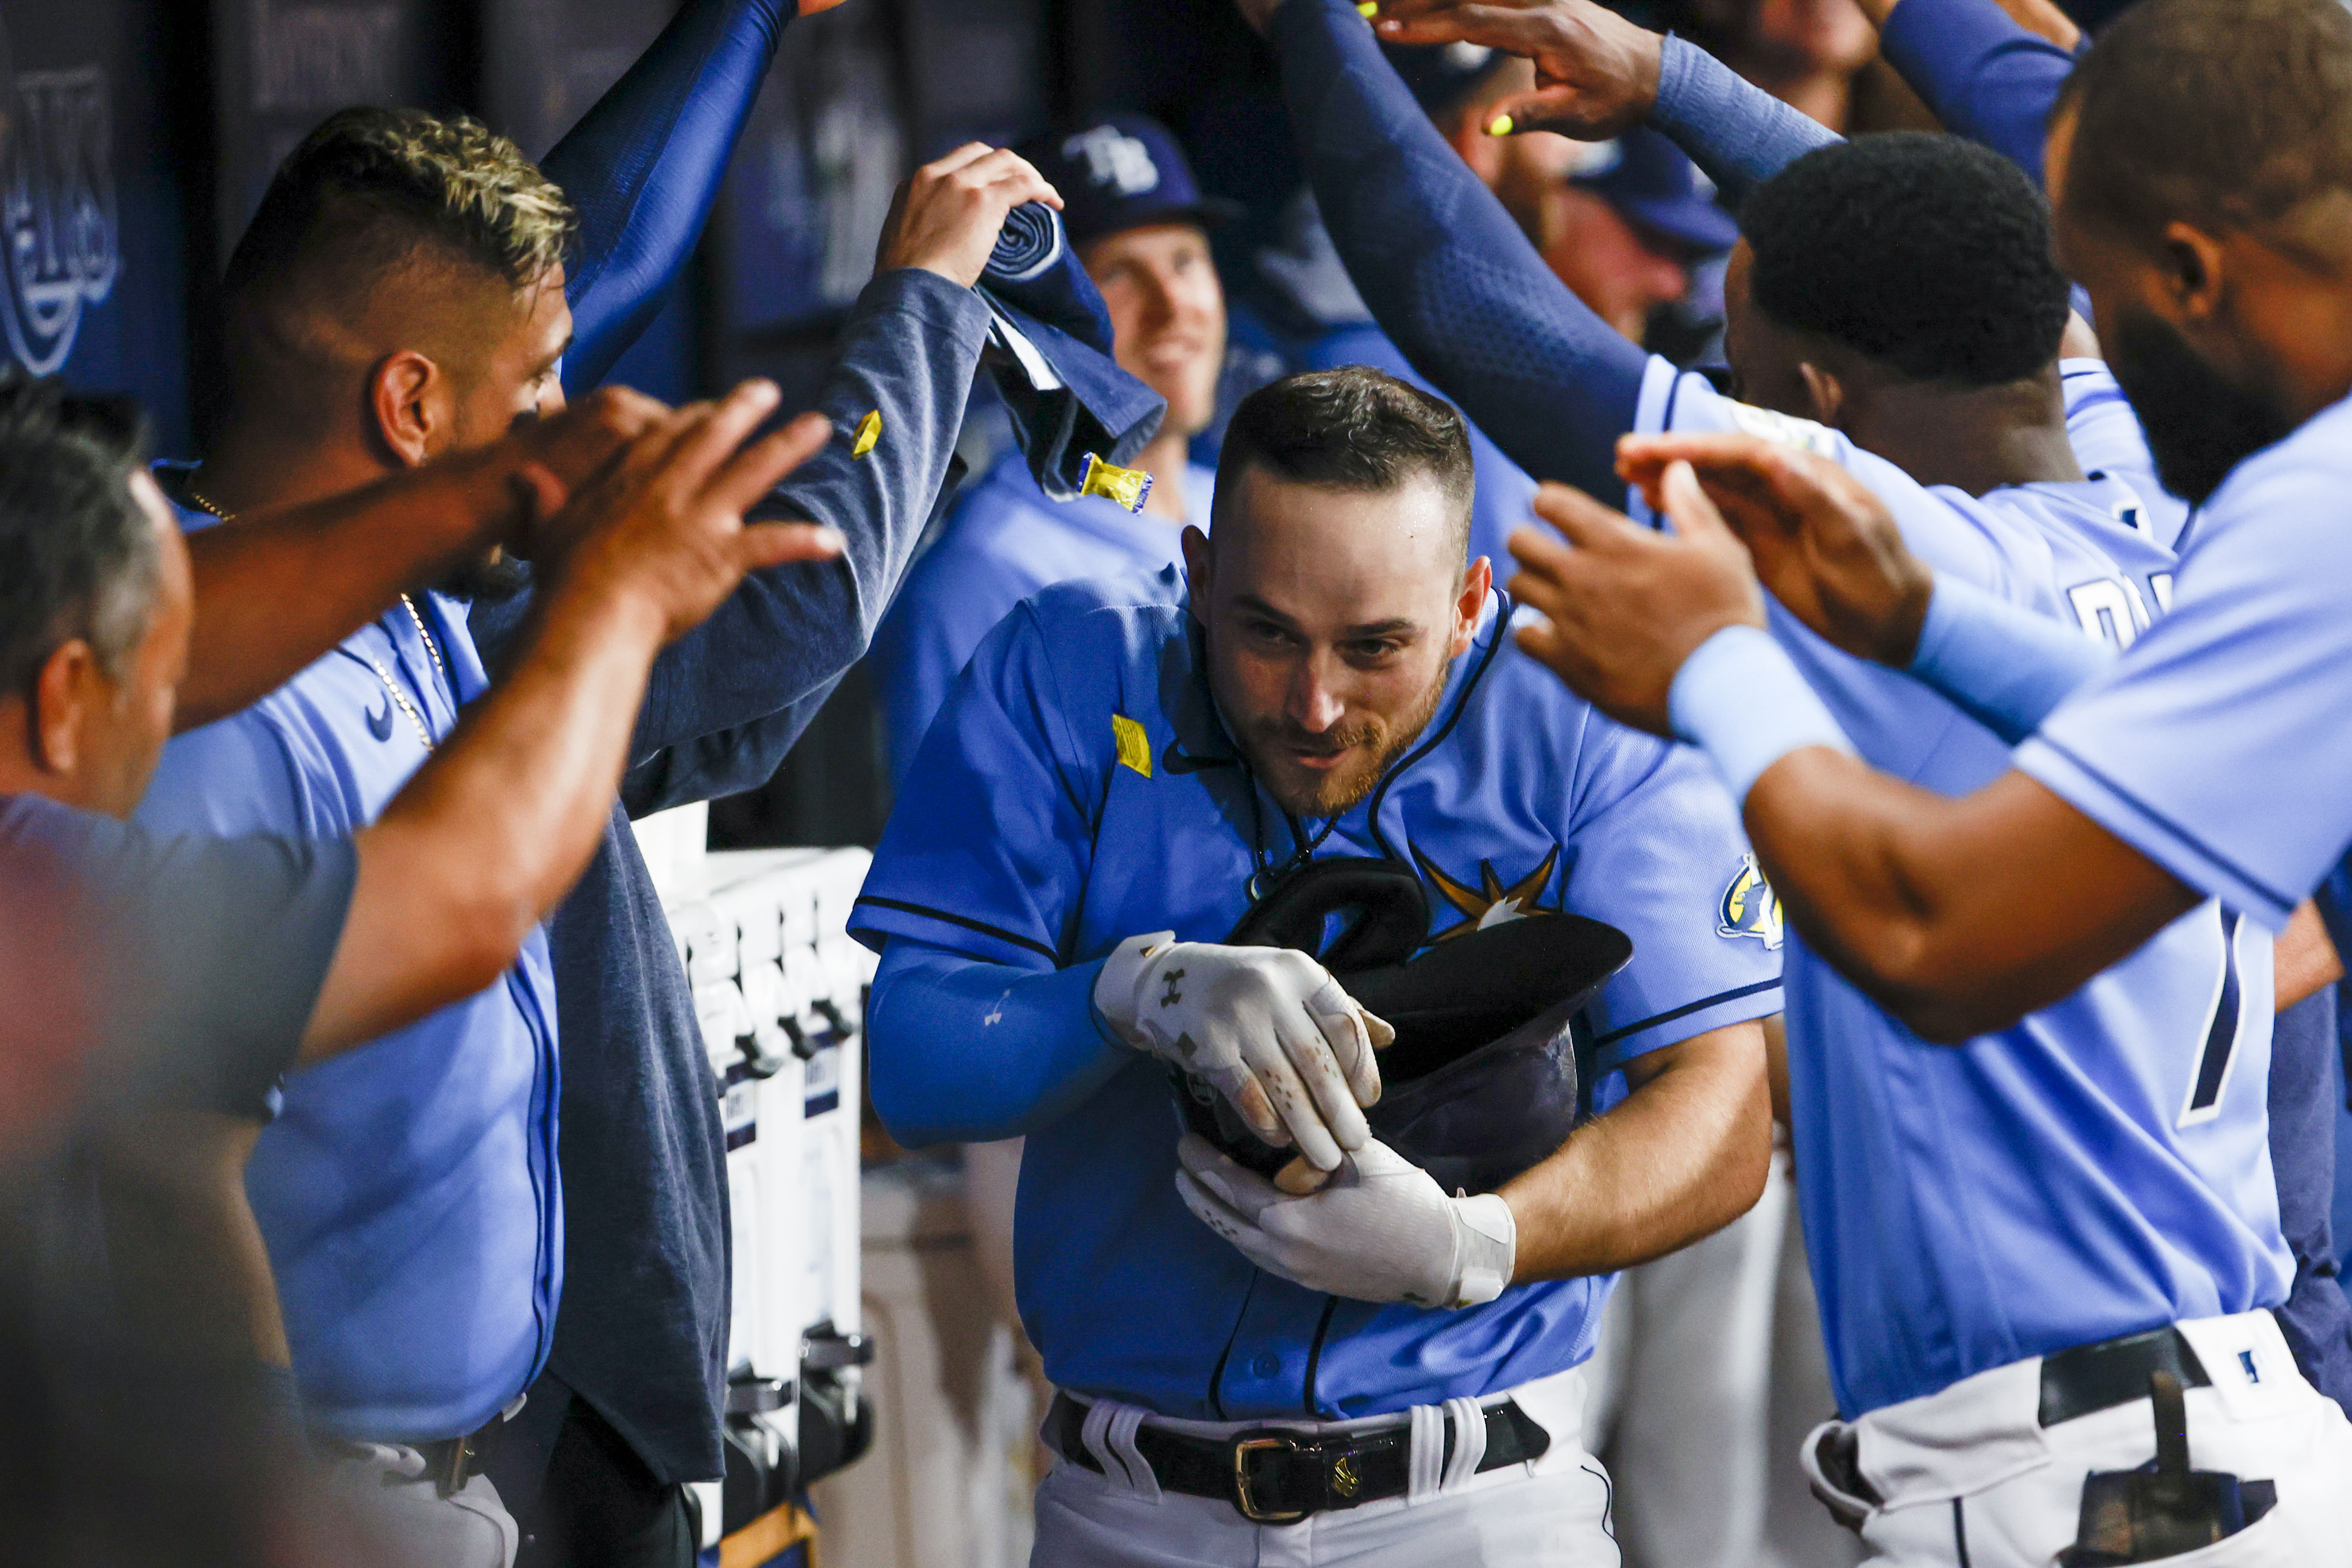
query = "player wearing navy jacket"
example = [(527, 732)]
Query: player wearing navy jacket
[(1136, 757)]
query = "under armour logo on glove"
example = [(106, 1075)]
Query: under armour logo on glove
[(1267, 1028)]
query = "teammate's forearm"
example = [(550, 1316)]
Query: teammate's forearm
[(1987, 77), (1684, 1156), (1736, 131), (1957, 916), (495, 828), (275, 592), (2007, 666), (1445, 270), (644, 167), (963, 1051)]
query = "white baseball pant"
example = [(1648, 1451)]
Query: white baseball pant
[(1553, 1512), (1970, 1477)]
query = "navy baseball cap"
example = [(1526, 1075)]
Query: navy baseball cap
[(1647, 178), (1121, 171)]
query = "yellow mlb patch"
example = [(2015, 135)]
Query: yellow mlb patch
[(1134, 746), (869, 431), (1766, 424)]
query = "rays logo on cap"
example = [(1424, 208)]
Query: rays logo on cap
[(57, 223), (1115, 159), (1750, 907)]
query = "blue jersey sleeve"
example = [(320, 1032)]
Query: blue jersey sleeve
[(1658, 853), (965, 1051), (1738, 133), (1444, 268), (643, 167), (243, 774), (1987, 78), (2218, 744), (988, 847)]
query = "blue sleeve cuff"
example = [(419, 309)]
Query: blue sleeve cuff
[(2005, 665), (1986, 77), (1738, 133), (1740, 699)]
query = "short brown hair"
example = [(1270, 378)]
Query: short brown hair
[(2229, 114), (1354, 428)]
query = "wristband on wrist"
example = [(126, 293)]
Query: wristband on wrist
[(2003, 664), (1487, 1243), (1740, 699)]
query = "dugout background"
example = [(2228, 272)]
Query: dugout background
[(136, 135)]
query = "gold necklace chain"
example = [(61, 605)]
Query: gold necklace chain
[(424, 730)]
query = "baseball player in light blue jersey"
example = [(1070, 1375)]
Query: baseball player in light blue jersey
[(2051, 1186), (2155, 785), (1122, 768), (1139, 221)]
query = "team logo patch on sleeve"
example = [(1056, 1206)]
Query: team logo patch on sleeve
[(1788, 431), (1134, 746), (1750, 907), (869, 431)]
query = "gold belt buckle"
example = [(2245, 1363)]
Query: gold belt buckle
[(1250, 1511)]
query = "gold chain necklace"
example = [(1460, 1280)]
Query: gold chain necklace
[(424, 730)]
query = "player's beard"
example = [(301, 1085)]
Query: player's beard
[(2200, 425), (1376, 743), (486, 579)]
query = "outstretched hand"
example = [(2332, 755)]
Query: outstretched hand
[(1627, 604), (663, 527), (1826, 546), (1596, 73), (948, 213)]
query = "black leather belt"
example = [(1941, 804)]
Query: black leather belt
[(2093, 1377), (451, 1462), (1273, 1476)]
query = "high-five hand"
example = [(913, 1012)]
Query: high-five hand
[(1270, 1028), (1628, 605), (1827, 549), (1596, 73)]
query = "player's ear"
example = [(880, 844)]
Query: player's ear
[(1825, 391), (2190, 263), (1477, 581), (62, 695), (402, 405), (1200, 567)]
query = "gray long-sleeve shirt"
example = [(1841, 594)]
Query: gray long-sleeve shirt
[(641, 1333)]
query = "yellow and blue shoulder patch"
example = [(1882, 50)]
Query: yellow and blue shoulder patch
[(1750, 907), (1134, 746), (1786, 429), (869, 431)]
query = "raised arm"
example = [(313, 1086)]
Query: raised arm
[(1446, 272), (1958, 917), (1597, 75), (495, 828), (1986, 76), (644, 165), (277, 590)]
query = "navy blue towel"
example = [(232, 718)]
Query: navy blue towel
[(1050, 354)]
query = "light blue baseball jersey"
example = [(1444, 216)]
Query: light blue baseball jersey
[(1078, 788), (2217, 746), (1005, 540), (2101, 1166), (408, 1192)]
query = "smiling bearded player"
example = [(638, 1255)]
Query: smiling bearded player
[(1121, 767)]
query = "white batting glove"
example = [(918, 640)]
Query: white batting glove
[(1380, 1230), (1269, 1027)]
